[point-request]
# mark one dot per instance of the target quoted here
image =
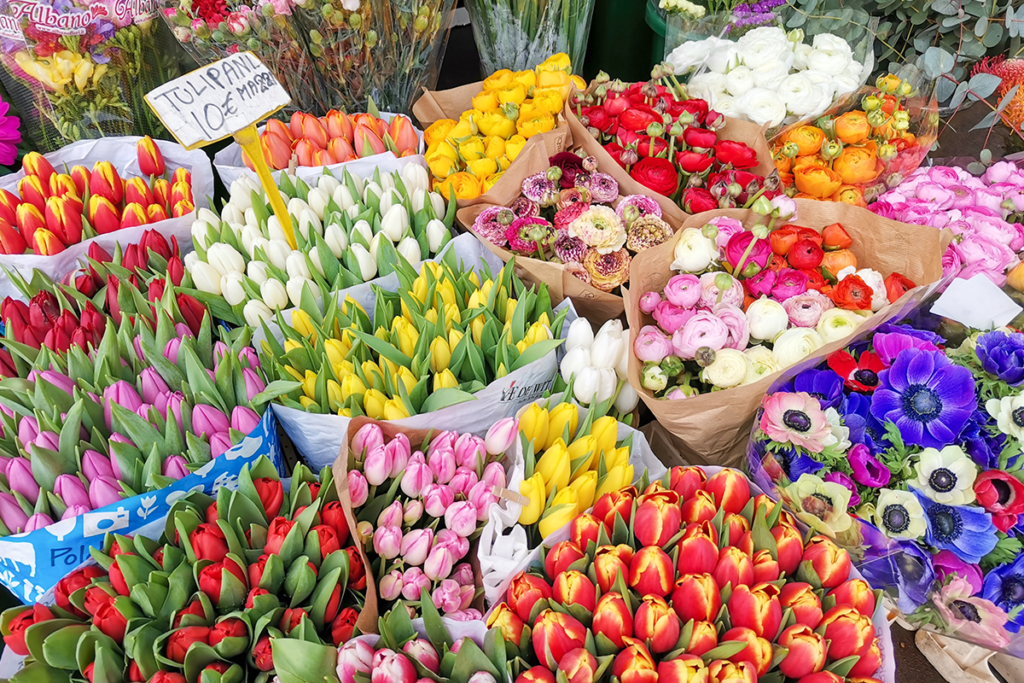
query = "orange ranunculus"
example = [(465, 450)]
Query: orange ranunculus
[(853, 294), (897, 285), (804, 162), (856, 165), (817, 181), (849, 194), (834, 261), (889, 104), (804, 195), (786, 179), (782, 163), (808, 139), (834, 237), (853, 127), (466, 186)]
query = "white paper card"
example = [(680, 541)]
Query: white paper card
[(219, 99), (976, 303)]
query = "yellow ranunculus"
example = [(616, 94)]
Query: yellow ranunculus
[(561, 415), (483, 168), (557, 62), (441, 167), (583, 449), (463, 130), (562, 511), (554, 466), (440, 355), (533, 489), (445, 380), (578, 82), (605, 430), (585, 486), (373, 403), (472, 149), (471, 115), (535, 122), (515, 93), (486, 100), (494, 146), (394, 409), (534, 422), (514, 146), (491, 181), (438, 131), (351, 384), (528, 78), (497, 80), (466, 186), (551, 79), (496, 123), (445, 148), (549, 100), (618, 478)]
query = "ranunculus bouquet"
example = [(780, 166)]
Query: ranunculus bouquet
[(691, 580), (849, 154), (739, 292), (420, 506), (573, 214), (236, 586), (902, 449), (347, 232), (984, 212), (52, 211), (670, 144)]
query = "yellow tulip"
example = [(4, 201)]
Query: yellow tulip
[(291, 345), (405, 376), (514, 93), (528, 78), (513, 146), (549, 100), (618, 478), (606, 431), (440, 355), (583, 449), (372, 372), (349, 307), (477, 328), (533, 490), (555, 466), (345, 412), (557, 62), (483, 168), (544, 320), (306, 402), (406, 336), (334, 348), (486, 100), (454, 337), (496, 123), (585, 486), (294, 373), (343, 368), (537, 332), (445, 380), (446, 290), (510, 309), (394, 409), (438, 131), (351, 384), (521, 346), (472, 149), (333, 394), (309, 384), (476, 300), (534, 422), (558, 417), (498, 79), (373, 403), (562, 511), (474, 278), (303, 324)]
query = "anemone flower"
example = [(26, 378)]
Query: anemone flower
[(966, 531)]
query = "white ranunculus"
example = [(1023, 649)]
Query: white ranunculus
[(738, 81), (693, 251), (728, 369), (692, 54), (802, 96), (836, 323), (830, 61), (767, 319), (707, 85), (830, 41), (846, 83), (762, 363), (800, 55), (764, 45), (762, 106), (722, 58), (794, 345), (255, 312), (770, 75), (725, 105), (231, 288), (874, 280)]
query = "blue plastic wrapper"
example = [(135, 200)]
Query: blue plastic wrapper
[(32, 563)]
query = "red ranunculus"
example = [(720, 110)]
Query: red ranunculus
[(694, 162), (30, 615), (638, 117), (271, 494), (181, 640), (815, 280), (698, 200), (598, 117), (853, 294), (649, 147), (700, 137), (737, 154), (697, 107), (615, 150), (656, 174), (570, 164), (805, 254)]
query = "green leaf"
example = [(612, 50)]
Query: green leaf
[(297, 661)]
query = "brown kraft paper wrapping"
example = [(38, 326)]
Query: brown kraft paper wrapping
[(340, 471), (591, 303), (713, 428)]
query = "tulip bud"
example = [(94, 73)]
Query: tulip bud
[(824, 563)]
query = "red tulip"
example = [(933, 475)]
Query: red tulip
[(806, 651), (700, 508), (11, 241), (583, 529), (536, 674), (180, 192), (338, 124), (573, 587), (151, 160), (181, 640), (687, 668), (614, 503), (696, 596), (703, 638), (555, 634), (211, 578), (403, 134), (110, 621), (182, 208), (194, 608), (333, 515), (734, 567), (523, 593), (263, 654), (756, 608), (103, 215), (9, 206), (208, 542), (607, 567), (181, 175), (35, 164), (504, 618), (137, 191), (271, 494), (578, 666), (73, 582), (721, 671), (560, 557), (655, 623), (613, 619), (33, 614), (291, 618), (730, 490), (857, 594), (658, 518), (62, 185), (869, 662), (344, 625), (192, 311), (105, 182), (757, 653), (687, 480), (848, 631), (323, 157), (825, 562), (790, 546), (277, 127), (277, 150), (698, 554), (63, 220), (46, 243), (305, 150), (635, 664), (651, 572), (765, 567), (80, 175), (162, 192), (367, 142)]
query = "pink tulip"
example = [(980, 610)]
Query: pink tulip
[(249, 355), (396, 668), (11, 514), (494, 475), (463, 481), (366, 439), (95, 465), (447, 597), (417, 478), (412, 512), (104, 491), (354, 657), (171, 350), (439, 563), (387, 541), (470, 451), (501, 435), (5, 464), (143, 410), (61, 381), (392, 515), (183, 331), (423, 652), (467, 615), (38, 521), (461, 518), (358, 489), (48, 440), (416, 545), (220, 349), (175, 467), (442, 464), (21, 480), (253, 384), (172, 403), (220, 444), (76, 511), (244, 419), (463, 574), (379, 656), (437, 498), (377, 466), (482, 497), (413, 582), (457, 545), (443, 440), (207, 421), (367, 142), (467, 594), (391, 585), (152, 385), (28, 429), (71, 490), (400, 451)]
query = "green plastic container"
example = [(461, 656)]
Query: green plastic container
[(619, 39), (658, 26)]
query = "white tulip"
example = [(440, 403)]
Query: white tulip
[(255, 312), (250, 236), (231, 288), (241, 192), (437, 235), (232, 214), (236, 228), (627, 399), (622, 367), (207, 216), (387, 181), (206, 278), (342, 197), (415, 178), (354, 210), (373, 187), (314, 257), (225, 259), (258, 272), (251, 220), (274, 230), (328, 184), (296, 265), (308, 221), (259, 243), (367, 264), (395, 222), (612, 326), (191, 259), (574, 361), (387, 200), (336, 239), (410, 249), (606, 350), (295, 286), (277, 252), (364, 230), (437, 201), (317, 200), (201, 233), (274, 294), (375, 244), (296, 206), (580, 334), (419, 198), (588, 380), (359, 182), (607, 381)]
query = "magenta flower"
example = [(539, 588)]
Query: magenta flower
[(400, 451), (671, 317), (38, 521), (844, 480), (175, 467), (95, 465), (790, 283), (649, 302), (358, 489), (71, 490), (762, 283), (220, 444), (253, 384), (21, 480), (104, 491), (152, 385), (867, 470), (244, 419), (11, 514), (207, 421), (737, 247), (123, 394), (10, 135), (946, 563)]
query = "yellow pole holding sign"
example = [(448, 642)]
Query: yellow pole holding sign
[(249, 140)]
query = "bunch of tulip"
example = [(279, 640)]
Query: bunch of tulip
[(150, 262), (334, 139), (417, 511), (596, 366), (792, 288), (565, 214), (847, 156), (471, 154), (347, 232), (237, 585), (441, 337), (53, 211), (568, 463), (669, 143), (143, 407), (692, 580)]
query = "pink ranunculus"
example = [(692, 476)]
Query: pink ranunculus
[(671, 317), (1000, 172), (762, 283), (790, 283), (952, 260), (985, 255), (919, 214), (736, 321), (703, 329), (805, 309), (727, 227), (683, 290), (649, 302), (943, 175), (937, 196), (651, 345), (737, 246), (709, 297)]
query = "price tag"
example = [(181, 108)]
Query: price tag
[(226, 98)]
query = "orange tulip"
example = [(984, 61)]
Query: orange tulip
[(808, 139), (817, 181), (378, 126), (9, 204), (853, 127), (37, 165), (857, 165), (29, 219), (103, 215), (64, 220), (151, 161), (323, 157), (45, 243), (304, 151), (308, 127), (33, 191), (182, 208), (341, 149), (338, 125), (758, 652), (367, 142), (11, 241), (105, 182), (275, 127), (136, 191), (403, 134), (834, 261), (156, 213), (61, 184), (277, 150)]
